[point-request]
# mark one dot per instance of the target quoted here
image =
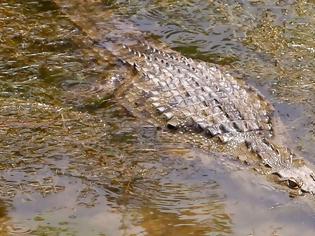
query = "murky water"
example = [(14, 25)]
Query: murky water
[(73, 162)]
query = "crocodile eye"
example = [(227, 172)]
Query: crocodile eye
[(292, 183)]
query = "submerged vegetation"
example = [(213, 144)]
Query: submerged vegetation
[(72, 162)]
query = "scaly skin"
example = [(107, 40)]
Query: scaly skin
[(192, 96)]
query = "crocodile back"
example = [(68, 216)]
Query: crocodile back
[(193, 96)]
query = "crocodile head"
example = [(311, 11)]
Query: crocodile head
[(299, 177)]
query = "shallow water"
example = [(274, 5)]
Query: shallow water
[(73, 162)]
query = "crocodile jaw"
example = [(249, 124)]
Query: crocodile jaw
[(302, 177)]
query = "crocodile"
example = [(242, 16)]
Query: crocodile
[(193, 97)]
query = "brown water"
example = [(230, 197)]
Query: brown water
[(73, 162)]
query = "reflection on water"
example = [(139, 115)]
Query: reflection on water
[(72, 162), (3, 219)]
